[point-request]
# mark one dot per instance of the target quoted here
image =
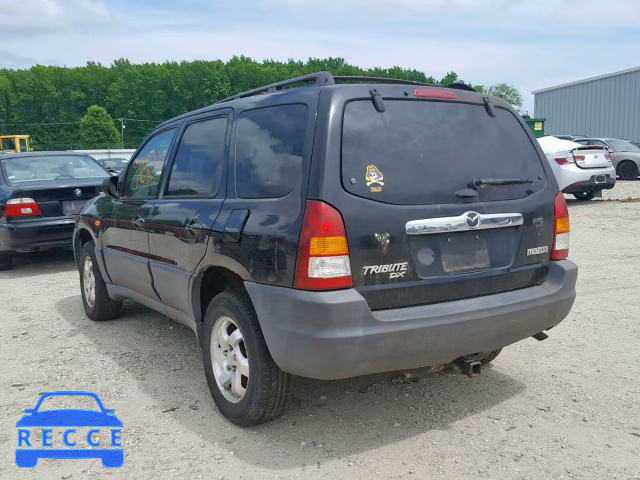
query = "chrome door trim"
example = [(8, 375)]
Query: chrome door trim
[(468, 221)]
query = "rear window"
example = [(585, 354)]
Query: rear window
[(50, 167), (423, 152)]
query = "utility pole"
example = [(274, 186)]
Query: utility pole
[(122, 126)]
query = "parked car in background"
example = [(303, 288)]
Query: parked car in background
[(115, 165), (625, 155), (40, 195), (334, 230), (583, 171), (570, 137)]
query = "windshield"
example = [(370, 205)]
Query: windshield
[(623, 146), (50, 167), (422, 152), (115, 163), (64, 402)]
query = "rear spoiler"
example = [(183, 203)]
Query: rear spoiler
[(590, 147)]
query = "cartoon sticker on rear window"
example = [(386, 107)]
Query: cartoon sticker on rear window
[(374, 176)]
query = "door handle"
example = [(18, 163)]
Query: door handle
[(193, 226), (138, 222)]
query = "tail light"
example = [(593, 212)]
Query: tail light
[(21, 207), (563, 160), (323, 254), (579, 158), (560, 229)]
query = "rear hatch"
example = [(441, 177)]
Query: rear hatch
[(591, 157), (441, 201)]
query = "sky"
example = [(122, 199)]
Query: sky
[(528, 44)]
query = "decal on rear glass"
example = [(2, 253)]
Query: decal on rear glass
[(375, 179)]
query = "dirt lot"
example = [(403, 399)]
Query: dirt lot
[(568, 407)]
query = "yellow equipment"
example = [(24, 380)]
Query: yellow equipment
[(14, 143)]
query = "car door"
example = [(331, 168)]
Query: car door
[(182, 217), (125, 238)]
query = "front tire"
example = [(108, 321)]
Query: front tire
[(584, 195), (97, 304), (6, 261), (628, 170), (245, 383)]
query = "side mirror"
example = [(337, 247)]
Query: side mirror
[(110, 186)]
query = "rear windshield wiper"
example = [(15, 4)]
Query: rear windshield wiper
[(499, 182)]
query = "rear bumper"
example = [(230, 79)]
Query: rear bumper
[(332, 335), (593, 184), (36, 234)]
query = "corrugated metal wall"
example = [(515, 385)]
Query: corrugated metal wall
[(606, 107)]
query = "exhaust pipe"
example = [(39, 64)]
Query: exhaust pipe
[(469, 366)]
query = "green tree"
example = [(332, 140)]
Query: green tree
[(97, 129), (507, 93)]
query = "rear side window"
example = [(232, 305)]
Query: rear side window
[(423, 152), (197, 169), (269, 146)]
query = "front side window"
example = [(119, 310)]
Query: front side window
[(23, 145), (197, 169), (8, 143), (269, 146), (144, 174)]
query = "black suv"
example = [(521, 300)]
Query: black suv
[(345, 227)]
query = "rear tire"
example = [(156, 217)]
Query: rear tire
[(98, 305), (245, 383), (491, 357), (6, 261), (628, 170), (584, 195)]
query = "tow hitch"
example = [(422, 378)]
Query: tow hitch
[(469, 366)]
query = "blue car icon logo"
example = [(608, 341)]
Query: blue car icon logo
[(69, 433)]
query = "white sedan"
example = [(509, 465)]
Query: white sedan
[(583, 171)]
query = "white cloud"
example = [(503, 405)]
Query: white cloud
[(40, 17), (491, 14)]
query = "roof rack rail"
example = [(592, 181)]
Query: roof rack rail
[(392, 81), (461, 86), (320, 78), (325, 78)]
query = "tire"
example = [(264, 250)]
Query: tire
[(6, 261), (260, 395), (491, 357), (628, 170), (98, 306), (584, 195)]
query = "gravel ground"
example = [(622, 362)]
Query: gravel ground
[(568, 407)]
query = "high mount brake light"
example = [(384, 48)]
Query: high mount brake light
[(21, 207), (323, 253), (561, 229), (434, 93)]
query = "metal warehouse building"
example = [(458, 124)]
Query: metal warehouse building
[(605, 106)]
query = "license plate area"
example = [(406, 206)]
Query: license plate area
[(72, 207), (464, 252)]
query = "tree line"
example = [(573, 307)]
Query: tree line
[(49, 102)]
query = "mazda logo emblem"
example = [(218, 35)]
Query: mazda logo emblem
[(472, 219), (77, 192)]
